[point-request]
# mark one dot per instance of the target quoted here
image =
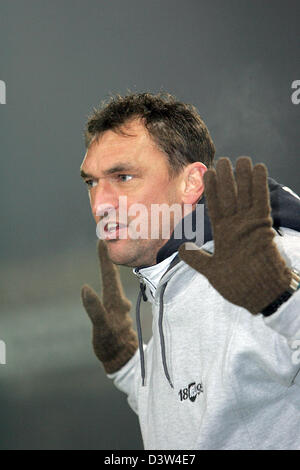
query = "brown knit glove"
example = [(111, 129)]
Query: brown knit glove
[(114, 339), (246, 267)]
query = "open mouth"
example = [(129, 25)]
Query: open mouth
[(113, 229)]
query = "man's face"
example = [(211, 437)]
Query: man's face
[(134, 167)]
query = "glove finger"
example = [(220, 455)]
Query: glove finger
[(211, 194), (93, 306), (261, 198), (227, 190), (113, 294), (198, 259), (243, 169)]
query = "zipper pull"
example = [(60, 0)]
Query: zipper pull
[(142, 285), (143, 289)]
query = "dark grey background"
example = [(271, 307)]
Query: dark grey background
[(235, 60)]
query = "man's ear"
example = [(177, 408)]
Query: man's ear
[(192, 182)]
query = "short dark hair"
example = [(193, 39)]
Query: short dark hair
[(175, 127)]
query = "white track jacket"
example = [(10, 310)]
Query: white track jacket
[(216, 376)]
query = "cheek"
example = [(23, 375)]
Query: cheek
[(171, 195), (159, 193)]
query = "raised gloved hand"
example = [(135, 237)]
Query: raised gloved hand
[(114, 339), (246, 267)]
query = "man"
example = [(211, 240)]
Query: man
[(221, 369)]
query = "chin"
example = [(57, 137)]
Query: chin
[(119, 253), (127, 255)]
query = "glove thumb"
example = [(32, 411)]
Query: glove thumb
[(93, 306), (198, 259)]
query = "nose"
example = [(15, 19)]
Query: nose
[(103, 199)]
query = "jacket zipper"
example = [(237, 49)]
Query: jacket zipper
[(142, 285)]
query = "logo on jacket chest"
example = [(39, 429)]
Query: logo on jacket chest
[(191, 392)]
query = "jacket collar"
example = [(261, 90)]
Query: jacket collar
[(152, 274)]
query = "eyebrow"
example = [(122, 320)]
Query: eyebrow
[(117, 168)]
